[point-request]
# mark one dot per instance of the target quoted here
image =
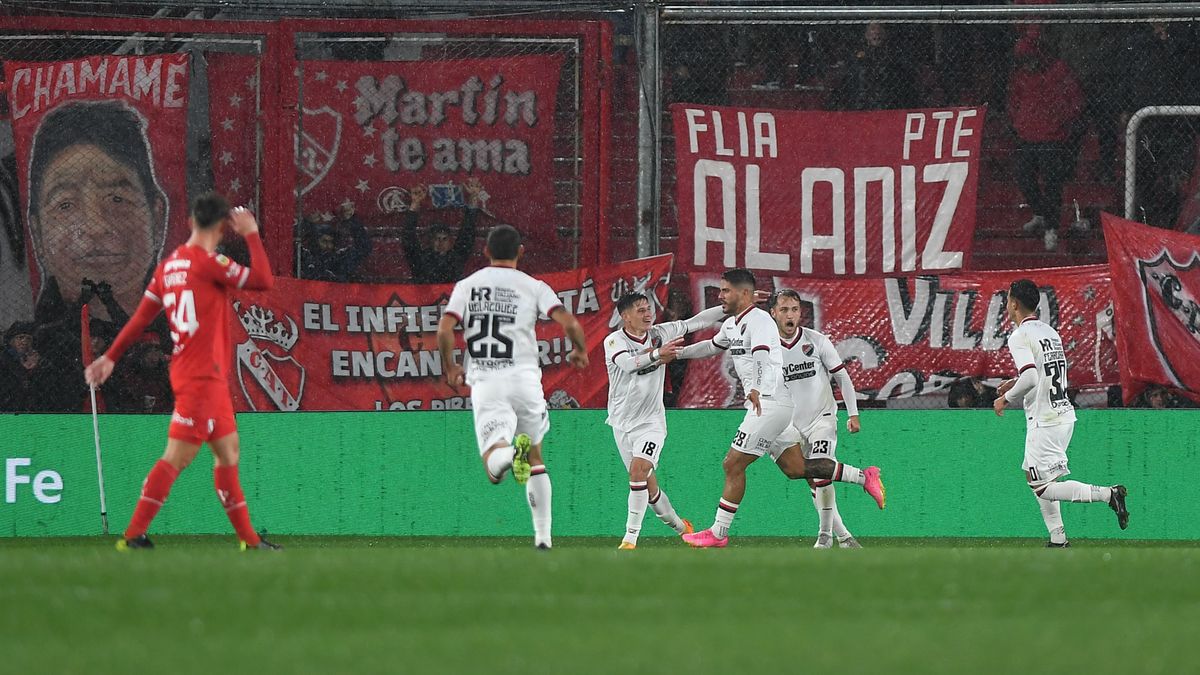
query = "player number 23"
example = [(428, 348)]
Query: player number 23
[(181, 312)]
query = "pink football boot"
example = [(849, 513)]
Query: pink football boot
[(873, 485), (705, 539)]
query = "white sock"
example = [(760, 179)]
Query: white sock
[(848, 474), (538, 491), (639, 496), (1074, 491), (1052, 514), (725, 513), (825, 499), (666, 513), (500, 461)]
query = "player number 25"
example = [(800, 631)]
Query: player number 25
[(181, 313), (485, 326)]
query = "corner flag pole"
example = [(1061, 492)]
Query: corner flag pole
[(85, 321)]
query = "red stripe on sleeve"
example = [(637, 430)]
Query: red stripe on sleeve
[(718, 344), (614, 356), (1024, 368), (455, 315), (837, 369), (760, 347)]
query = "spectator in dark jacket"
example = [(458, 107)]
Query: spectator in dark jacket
[(444, 260), (1044, 104), (877, 76), (324, 260), (25, 379)]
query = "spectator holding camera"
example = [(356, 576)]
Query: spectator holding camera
[(324, 258), (24, 376), (444, 260)]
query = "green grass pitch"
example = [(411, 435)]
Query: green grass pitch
[(361, 605)]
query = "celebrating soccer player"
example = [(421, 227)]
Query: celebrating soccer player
[(634, 356), (810, 363), (498, 307), (1041, 386), (192, 285)]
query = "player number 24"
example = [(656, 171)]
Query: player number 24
[(181, 313)]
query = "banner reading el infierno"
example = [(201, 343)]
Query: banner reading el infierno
[(311, 345), (826, 193), (905, 337), (101, 155)]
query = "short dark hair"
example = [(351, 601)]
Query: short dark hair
[(112, 126), (1026, 293), (629, 300), (439, 228), (739, 276), (785, 293), (503, 242), (209, 209)]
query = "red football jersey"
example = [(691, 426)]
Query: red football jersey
[(193, 285)]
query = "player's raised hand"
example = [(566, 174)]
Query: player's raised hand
[(670, 351), (999, 404), (98, 371), (753, 398), (578, 358), (455, 376), (852, 424), (762, 297), (242, 221)]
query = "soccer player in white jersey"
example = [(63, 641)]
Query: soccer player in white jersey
[(1041, 386), (498, 307), (634, 356), (752, 340), (810, 364)]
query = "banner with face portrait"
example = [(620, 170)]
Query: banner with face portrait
[(314, 345), (102, 160)]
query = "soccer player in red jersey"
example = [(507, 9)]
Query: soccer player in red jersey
[(192, 285)]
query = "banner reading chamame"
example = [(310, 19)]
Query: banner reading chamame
[(905, 337), (1156, 286), (311, 345), (102, 164), (826, 193)]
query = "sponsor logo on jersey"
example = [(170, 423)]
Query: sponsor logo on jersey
[(799, 371), (176, 418), (222, 260)]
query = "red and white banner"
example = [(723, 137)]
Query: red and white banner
[(311, 345), (1156, 286), (101, 148), (233, 111), (371, 130), (826, 193), (906, 337)]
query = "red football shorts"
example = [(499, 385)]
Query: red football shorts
[(203, 411)]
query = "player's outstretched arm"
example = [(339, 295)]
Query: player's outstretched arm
[(701, 350), (705, 319), (259, 277), (631, 363), (99, 370), (574, 332), (445, 342)]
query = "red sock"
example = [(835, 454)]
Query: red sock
[(229, 489), (154, 492)]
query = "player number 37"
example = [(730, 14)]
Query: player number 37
[(181, 312)]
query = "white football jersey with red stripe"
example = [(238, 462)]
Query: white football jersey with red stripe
[(636, 399), (753, 331), (809, 362), (498, 308), (1034, 344)]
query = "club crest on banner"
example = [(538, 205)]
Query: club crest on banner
[(1172, 293), (317, 140), (280, 377)]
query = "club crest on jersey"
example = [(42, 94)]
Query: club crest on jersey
[(222, 260), (1172, 302), (279, 377), (807, 349)]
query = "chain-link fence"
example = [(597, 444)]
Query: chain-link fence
[(382, 149)]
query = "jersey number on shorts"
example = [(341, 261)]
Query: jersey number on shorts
[(739, 439), (649, 448), (820, 447), (488, 326), (1055, 371), (181, 314)]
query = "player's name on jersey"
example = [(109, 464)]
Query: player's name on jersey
[(492, 307)]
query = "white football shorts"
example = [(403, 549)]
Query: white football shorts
[(644, 441), (506, 406), (1046, 453), (817, 441), (757, 433)]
